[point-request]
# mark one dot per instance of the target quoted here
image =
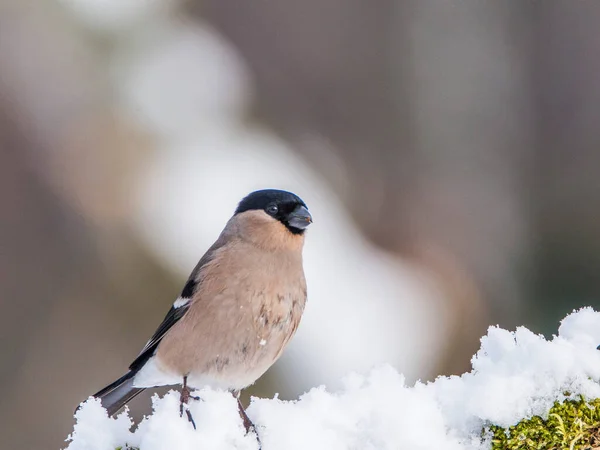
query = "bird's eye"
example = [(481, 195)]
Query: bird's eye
[(272, 209)]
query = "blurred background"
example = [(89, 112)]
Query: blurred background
[(448, 150)]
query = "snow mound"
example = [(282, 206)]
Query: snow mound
[(515, 375)]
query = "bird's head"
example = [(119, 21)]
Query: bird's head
[(276, 205), (272, 218)]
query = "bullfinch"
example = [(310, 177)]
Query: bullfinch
[(238, 310)]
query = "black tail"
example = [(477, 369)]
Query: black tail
[(117, 394)]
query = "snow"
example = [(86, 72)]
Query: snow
[(515, 375), (95, 430)]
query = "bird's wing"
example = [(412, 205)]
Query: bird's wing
[(177, 311), (147, 352)]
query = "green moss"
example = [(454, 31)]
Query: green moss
[(572, 425)]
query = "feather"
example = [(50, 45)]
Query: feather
[(117, 394)]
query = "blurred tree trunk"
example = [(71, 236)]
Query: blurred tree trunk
[(473, 131), (566, 182)]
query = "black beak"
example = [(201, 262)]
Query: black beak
[(300, 218)]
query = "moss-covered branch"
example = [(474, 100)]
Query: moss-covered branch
[(573, 425)]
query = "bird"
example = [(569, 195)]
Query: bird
[(237, 312)]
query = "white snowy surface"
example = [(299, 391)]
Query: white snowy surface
[(515, 375)]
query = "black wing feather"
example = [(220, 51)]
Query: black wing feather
[(170, 319)]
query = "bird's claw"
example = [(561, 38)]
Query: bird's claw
[(184, 399), (190, 418)]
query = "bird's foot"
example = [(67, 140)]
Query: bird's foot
[(184, 399), (190, 418), (248, 424)]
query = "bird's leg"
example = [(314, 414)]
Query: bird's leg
[(247, 422), (184, 398)]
